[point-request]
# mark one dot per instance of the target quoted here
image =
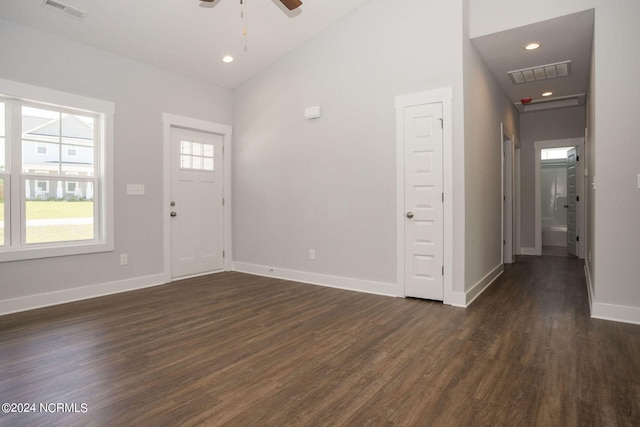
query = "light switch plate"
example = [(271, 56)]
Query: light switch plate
[(135, 189)]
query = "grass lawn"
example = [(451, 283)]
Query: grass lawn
[(56, 232)]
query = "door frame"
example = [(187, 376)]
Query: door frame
[(508, 197), (443, 96), (175, 121), (582, 230)]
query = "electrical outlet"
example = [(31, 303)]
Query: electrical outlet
[(312, 254), (124, 259)]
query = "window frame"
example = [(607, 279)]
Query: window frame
[(14, 94)]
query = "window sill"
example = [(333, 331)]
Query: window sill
[(26, 253)]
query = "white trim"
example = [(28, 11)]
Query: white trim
[(556, 143), (483, 284), (346, 283), (518, 196), (445, 97), (172, 120), (31, 302), (613, 312), (587, 274), (103, 196), (616, 313), (528, 251), (459, 299)]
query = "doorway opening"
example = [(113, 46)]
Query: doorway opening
[(558, 193), (554, 200)]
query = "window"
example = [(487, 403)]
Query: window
[(55, 173), (196, 156)]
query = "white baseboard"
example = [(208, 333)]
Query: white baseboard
[(482, 285), (528, 251), (616, 313), (613, 312), (590, 290), (370, 287), (458, 299), (31, 302)]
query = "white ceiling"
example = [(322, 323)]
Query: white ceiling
[(565, 38), (186, 36)]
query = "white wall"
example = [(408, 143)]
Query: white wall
[(329, 183), (614, 129), (486, 107), (492, 16), (140, 93), (558, 123), (617, 130)]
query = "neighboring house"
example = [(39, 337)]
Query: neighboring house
[(57, 145)]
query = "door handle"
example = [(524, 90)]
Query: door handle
[(174, 214), (409, 215)]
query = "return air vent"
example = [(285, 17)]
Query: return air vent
[(65, 9), (541, 72)]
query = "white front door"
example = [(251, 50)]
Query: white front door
[(572, 197), (196, 203), (423, 193)]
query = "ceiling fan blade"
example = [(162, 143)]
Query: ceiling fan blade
[(291, 4)]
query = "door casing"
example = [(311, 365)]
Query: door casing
[(445, 97), (581, 220), (172, 120)]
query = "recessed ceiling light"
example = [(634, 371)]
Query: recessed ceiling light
[(227, 59), (532, 46), (547, 94)]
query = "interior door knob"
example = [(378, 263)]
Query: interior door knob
[(409, 214)]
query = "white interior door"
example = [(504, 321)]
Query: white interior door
[(423, 227), (572, 197), (196, 203)]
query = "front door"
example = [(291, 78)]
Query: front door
[(572, 198), (196, 203), (424, 216)]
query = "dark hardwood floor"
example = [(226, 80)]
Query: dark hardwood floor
[(234, 349)]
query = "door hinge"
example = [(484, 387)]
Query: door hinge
[(443, 270), (577, 198), (504, 243), (577, 238), (441, 123), (577, 158), (442, 197), (223, 201), (222, 254)]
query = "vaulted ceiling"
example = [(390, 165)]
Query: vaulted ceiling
[(187, 37)]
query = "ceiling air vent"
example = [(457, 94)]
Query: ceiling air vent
[(541, 72), (57, 6)]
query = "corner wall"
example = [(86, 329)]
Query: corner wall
[(141, 94), (486, 107), (329, 184)]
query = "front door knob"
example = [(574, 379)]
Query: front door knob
[(409, 214)]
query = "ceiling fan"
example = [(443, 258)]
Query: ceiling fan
[(289, 4)]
